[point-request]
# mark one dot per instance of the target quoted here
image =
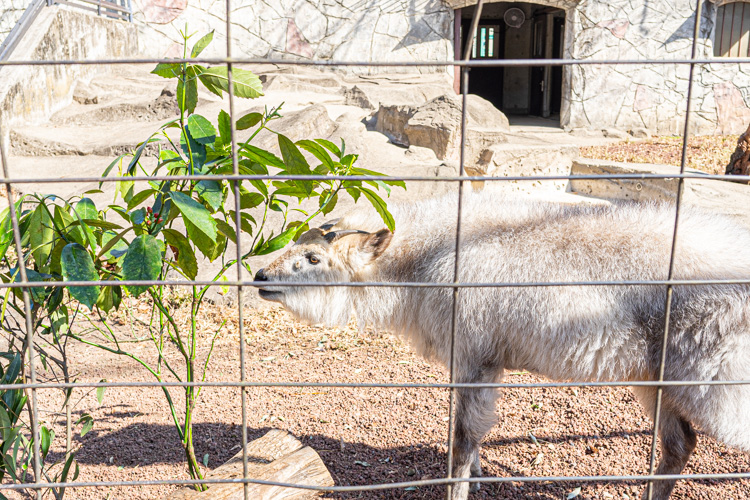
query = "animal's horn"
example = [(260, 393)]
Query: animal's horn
[(328, 225), (332, 236)]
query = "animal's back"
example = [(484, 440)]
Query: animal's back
[(580, 332)]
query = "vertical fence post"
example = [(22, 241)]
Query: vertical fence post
[(452, 400), (670, 273), (30, 346)]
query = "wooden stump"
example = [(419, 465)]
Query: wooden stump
[(277, 456), (739, 163)]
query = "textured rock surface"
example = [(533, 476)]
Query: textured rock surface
[(10, 12), (31, 94), (436, 125), (646, 97), (315, 29), (521, 157)]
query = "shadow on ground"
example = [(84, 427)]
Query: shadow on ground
[(144, 444)]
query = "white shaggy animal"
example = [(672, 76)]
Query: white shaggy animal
[(581, 333)]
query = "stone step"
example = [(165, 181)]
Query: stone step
[(522, 156), (716, 196)]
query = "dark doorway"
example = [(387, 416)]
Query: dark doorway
[(517, 30), (488, 44)]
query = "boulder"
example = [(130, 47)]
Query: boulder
[(437, 125), (391, 121), (354, 96), (307, 123)]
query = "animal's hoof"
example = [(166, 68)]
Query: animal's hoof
[(474, 487)]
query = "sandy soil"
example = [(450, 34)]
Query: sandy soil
[(364, 435)]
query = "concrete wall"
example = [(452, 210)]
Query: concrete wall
[(374, 30), (31, 94)]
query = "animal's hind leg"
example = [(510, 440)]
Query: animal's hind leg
[(678, 440), (475, 415)]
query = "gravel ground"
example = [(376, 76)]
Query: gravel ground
[(365, 435), (708, 153)]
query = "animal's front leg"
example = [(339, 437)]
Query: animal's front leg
[(475, 415)]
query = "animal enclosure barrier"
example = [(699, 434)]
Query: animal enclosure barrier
[(242, 286)]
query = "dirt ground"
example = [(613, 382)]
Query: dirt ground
[(709, 153), (363, 435)]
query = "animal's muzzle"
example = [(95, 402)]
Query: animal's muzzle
[(261, 275), (266, 294)]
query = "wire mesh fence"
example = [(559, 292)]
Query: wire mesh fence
[(456, 286)]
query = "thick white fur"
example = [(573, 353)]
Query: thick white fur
[(566, 333)]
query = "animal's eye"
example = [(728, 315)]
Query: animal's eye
[(313, 259)]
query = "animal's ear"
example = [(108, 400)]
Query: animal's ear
[(375, 244)]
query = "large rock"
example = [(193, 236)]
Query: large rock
[(391, 121), (312, 122), (437, 125)]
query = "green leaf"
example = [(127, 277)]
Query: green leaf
[(193, 149), (167, 70), (187, 95), (249, 120), (46, 437), (295, 162), (195, 213), (210, 248), (86, 209), (250, 200), (211, 193), (261, 156), (202, 44), (59, 321), (226, 230), (109, 298), (78, 266), (100, 393), (381, 208), (185, 254), (225, 127), (318, 152), (246, 221), (364, 171), (331, 204), (14, 369), (142, 262), (88, 423), (113, 246), (245, 83), (140, 197), (41, 235), (278, 242), (6, 231), (330, 147), (136, 156), (201, 129), (66, 467), (110, 167)]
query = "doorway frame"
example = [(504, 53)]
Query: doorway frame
[(569, 9)]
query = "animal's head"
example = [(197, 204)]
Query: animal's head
[(322, 255)]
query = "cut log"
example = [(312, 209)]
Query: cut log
[(278, 456), (739, 162)]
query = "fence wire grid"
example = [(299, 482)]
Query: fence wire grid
[(464, 64)]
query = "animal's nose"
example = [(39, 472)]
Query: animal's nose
[(261, 275)]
